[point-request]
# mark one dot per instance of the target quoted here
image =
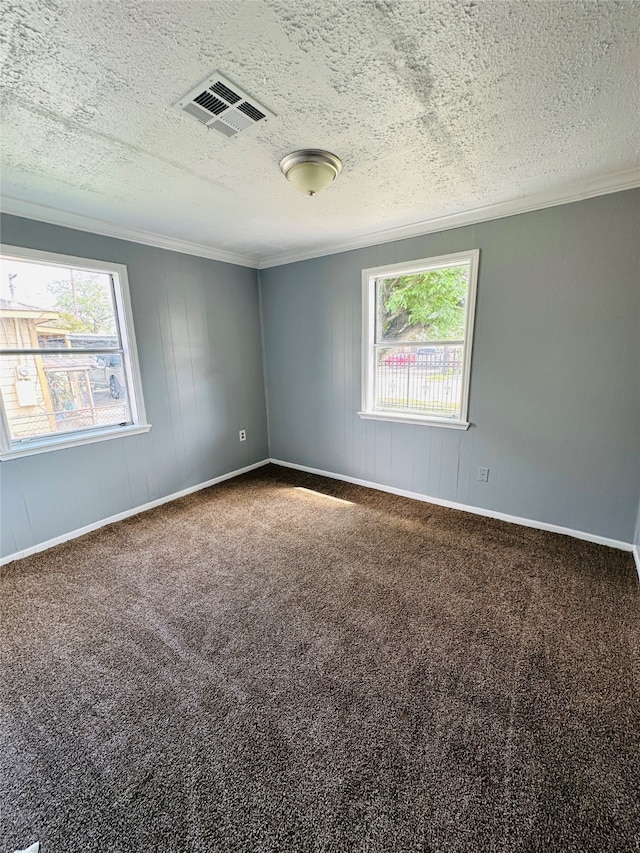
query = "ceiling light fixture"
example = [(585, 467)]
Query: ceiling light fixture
[(311, 170)]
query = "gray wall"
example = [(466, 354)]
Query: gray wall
[(555, 376), (554, 393), (197, 326)]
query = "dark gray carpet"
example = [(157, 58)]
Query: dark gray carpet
[(262, 667)]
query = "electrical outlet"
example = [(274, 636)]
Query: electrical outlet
[(243, 435), (483, 475)]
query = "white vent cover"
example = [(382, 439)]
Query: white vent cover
[(220, 104)]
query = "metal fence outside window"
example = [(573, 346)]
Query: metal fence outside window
[(420, 379), (70, 420)]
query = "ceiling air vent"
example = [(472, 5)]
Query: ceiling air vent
[(221, 105)]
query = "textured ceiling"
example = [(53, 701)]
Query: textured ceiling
[(436, 108)]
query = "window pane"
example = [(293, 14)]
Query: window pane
[(425, 306), (50, 394), (54, 307), (421, 380)]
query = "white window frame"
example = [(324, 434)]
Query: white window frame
[(29, 447), (369, 277)]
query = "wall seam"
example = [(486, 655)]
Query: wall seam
[(264, 361)]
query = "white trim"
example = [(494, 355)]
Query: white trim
[(367, 387), (414, 419), (62, 442), (476, 510), (512, 519), (370, 277), (130, 363), (614, 183), (128, 338), (636, 556), (67, 219), (73, 534), (618, 182)]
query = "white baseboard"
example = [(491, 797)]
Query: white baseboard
[(512, 519), (73, 534), (476, 510)]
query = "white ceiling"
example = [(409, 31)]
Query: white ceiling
[(442, 112)]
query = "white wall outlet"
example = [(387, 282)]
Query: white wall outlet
[(243, 435), (483, 475)]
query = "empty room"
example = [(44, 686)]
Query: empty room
[(320, 426)]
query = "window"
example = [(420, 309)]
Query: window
[(417, 336), (68, 367)]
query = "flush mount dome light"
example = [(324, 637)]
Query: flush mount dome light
[(311, 171)]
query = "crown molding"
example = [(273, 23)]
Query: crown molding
[(588, 189), (66, 219)]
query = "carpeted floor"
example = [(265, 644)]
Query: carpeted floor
[(287, 663)]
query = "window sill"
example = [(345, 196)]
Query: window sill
[(60, 443), (424, 420)]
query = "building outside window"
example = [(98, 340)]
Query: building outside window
[(68, 367), (417, 339)]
